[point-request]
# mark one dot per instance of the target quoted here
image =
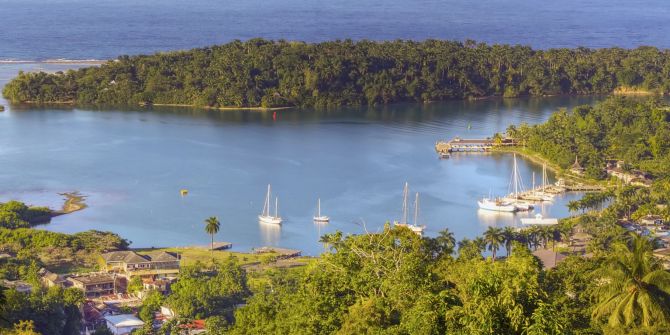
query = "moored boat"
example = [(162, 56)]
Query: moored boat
[(265, 216), (403, 222), (318, 218), (497, 205)]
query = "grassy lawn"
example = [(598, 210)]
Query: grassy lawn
[(190, 256)]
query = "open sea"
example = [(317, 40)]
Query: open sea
[(103, 29)]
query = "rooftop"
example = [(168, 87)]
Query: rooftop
[(131, 257), (128, 257), (124, 320), (162, 256), (94, 279)]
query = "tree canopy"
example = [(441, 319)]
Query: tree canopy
[(266, 73)]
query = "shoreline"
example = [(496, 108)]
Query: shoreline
[(558, 171), (74, 201), (219, 108), (56, 61), (225, 108)]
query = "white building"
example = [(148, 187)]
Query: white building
[(123, 324)]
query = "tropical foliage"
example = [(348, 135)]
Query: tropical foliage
[(281, 73), (15, 214), (636, 131)]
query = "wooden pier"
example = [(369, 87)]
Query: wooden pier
[(217, 246), (471, 145)]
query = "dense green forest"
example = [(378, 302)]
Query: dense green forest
[(281, 73), (14, 214), (634, 130)]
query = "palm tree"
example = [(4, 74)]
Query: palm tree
[(493, 237), (212, 226), (509, 235), (446, 242), (534, 237), (632, 288), (573, 206), (565, 231)]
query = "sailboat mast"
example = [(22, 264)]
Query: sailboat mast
[(277, 207), (405, 192), (516, 182), (266, 205), (416, 209), (533, 187), (544, 177), (318, 208)]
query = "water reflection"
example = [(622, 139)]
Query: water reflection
[(495, 219), (270, 234)]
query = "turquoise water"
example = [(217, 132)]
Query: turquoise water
[(82, 29), (132, 164)]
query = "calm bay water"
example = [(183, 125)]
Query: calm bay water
[(82, 29), (132, 164)]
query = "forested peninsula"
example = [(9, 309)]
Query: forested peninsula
[(262, 73)]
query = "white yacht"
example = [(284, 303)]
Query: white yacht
[(318, 218), (498, 205), (265, 216)]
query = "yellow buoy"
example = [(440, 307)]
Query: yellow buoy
[(183, 192)]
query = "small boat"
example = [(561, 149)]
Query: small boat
[(318, 218), (497, 205), (539, 220), (418, 229), (265, 216), (183, 192)]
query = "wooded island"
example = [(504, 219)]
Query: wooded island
[(262, 73)]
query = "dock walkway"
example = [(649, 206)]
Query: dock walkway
[(474, 144), (217, 246)]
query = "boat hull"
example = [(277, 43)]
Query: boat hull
[(321, 219), (497, 207), (416, 229), (269, 219)]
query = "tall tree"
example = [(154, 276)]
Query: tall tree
[(212, 226), (494, 238)]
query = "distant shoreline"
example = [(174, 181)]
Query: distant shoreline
[(56, 61), (220, 108)]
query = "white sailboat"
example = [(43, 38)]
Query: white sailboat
[(405, 210), (318, 218), (539, 193), (497, 205), (515, 198), (265, 216)]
